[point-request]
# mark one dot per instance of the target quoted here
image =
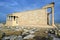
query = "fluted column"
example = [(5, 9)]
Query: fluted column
[(52, 16)]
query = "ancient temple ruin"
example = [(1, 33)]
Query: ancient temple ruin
[(35, 18)]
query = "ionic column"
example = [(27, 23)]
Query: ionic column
[(52, 16)]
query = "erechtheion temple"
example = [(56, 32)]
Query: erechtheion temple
[(37, 18)]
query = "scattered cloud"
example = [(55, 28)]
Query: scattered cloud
[(9, 6)]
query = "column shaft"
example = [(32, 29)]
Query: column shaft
[(52, 16)]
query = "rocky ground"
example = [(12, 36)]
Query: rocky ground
[(27, 33)]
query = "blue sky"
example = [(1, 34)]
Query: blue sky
[(11, 6)]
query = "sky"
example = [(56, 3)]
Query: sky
[(11, 6)]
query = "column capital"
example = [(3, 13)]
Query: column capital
[(52, 3)]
